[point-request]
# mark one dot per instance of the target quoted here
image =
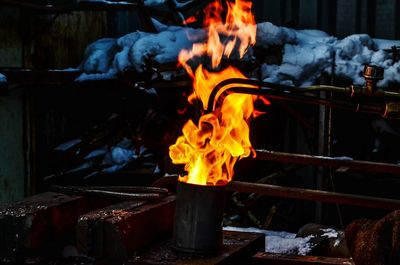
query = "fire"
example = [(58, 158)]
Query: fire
[(211, 148), (238, 29)]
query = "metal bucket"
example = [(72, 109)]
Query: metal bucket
[(198, 218)]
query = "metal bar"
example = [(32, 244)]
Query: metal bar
[(314, 195), (321, 151), (325, 161), (143, 189), (293, 97), (113, 194)]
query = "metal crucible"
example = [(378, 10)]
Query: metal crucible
[(198, 218)]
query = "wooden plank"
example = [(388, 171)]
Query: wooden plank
[(281, 259)]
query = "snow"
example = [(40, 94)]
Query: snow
[(3, 78), (307, 54), (106, 57), (295, 246), (95, 153), (165, 46), (67, 145), (109, 2), (157, 3), (330, 233), (343, 158), (151, 3), (310, 53), (280, 242), (69, 69), (99, 55), (96, 77)]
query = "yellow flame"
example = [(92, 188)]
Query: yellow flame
[(210, 149)]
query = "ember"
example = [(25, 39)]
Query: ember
[(210, 149)]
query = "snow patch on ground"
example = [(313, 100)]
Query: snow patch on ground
[(295, 246), (280, 242)]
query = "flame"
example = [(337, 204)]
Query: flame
[(238, 29), (211, 148), (189, 20)]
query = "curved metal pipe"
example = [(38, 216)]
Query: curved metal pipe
[(299, 98), (292, 93), (244, 81)]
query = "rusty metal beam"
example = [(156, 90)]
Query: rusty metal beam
[(324, 161), (282, 259), (314, 195)]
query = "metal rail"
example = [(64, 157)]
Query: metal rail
[(325, 161), (314, 195)]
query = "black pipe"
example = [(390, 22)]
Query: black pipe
[(274, 94), (198, 218), (243, 81), (369, 104)]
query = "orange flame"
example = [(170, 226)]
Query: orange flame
[(210, 149), (239, 28)]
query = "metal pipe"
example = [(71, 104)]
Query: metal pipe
[(130, 189), (328, 88), (324, 161), (242, 81), (274, 94), (292, 93), (295, 97), (314, 195)]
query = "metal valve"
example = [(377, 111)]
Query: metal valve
[(372, 75)]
